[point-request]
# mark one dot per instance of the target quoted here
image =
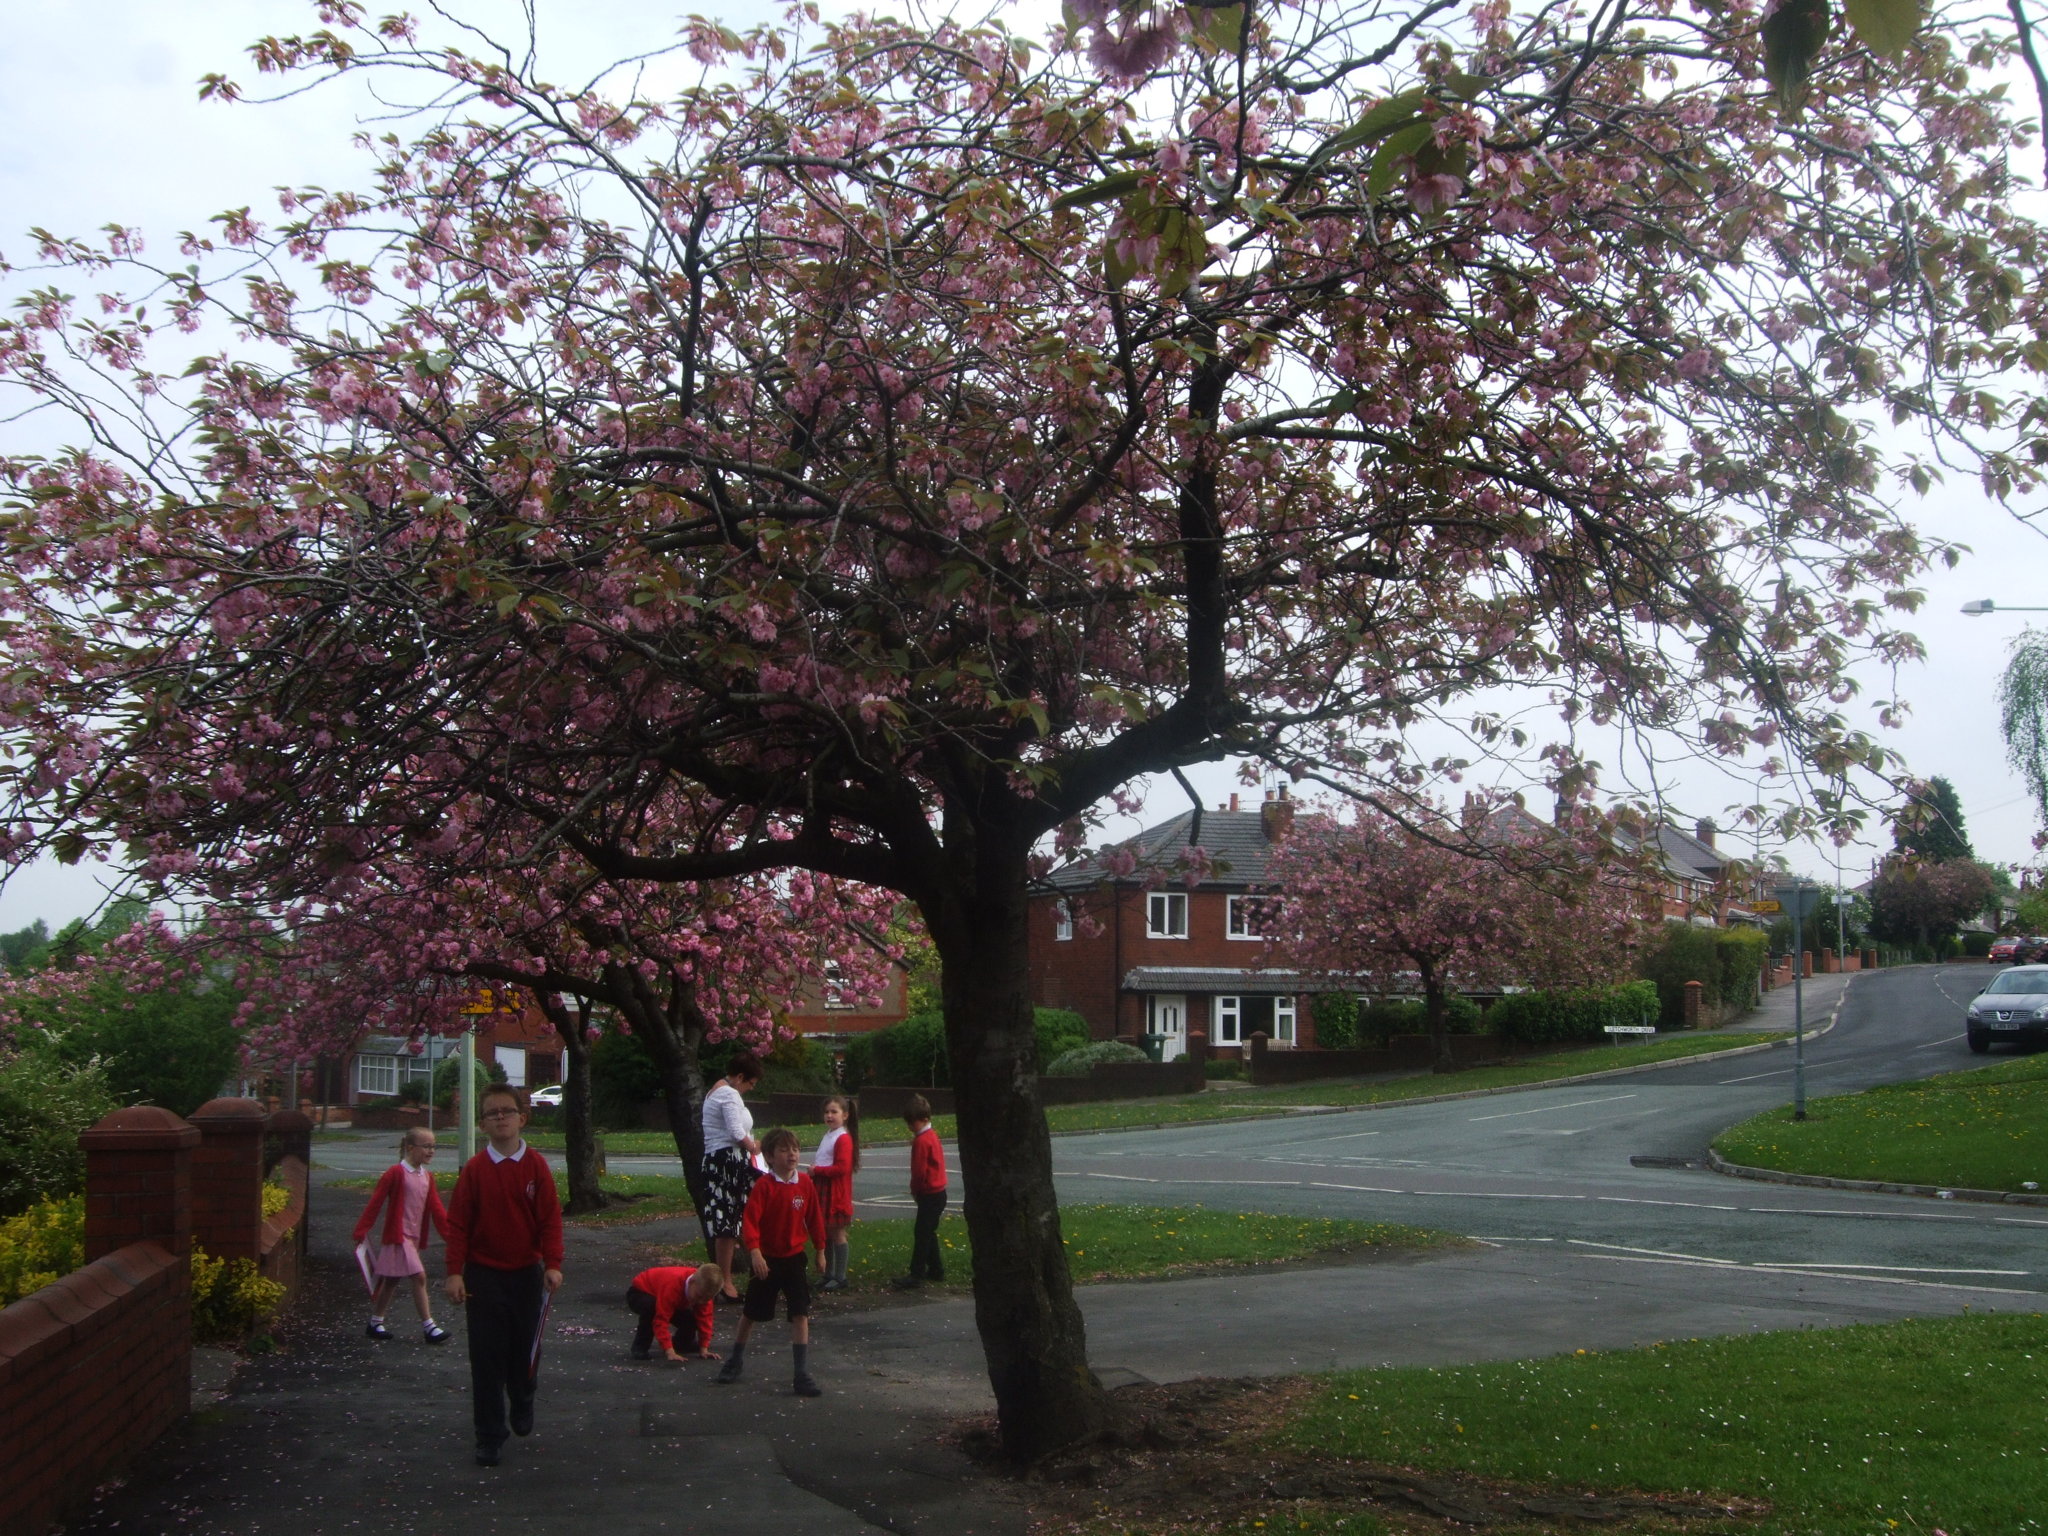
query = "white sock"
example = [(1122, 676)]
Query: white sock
[(376, 1317)]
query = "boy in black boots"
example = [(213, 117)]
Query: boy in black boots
[(782, 1211)]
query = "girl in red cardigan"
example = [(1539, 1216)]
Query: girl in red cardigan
[(832, 1170), (412, 1209)]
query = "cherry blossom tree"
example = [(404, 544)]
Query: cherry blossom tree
[(908, 436), (1913, 901), (1437, 904)]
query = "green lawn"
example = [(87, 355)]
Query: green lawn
[(1124, 1242), (1906, 1427), (1982, 1129), (651, 1196), (1238, 1104)]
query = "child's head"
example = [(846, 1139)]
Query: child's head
[(781, 1150), (416, 1146), (917, 1112), (501, 1110), (704, 1283)]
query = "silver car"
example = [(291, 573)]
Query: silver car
[(2014, 1007)]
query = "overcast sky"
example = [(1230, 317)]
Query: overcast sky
[(100, 122)]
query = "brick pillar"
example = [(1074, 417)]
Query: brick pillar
[(289, 1133), (1255, 1045), (227, 1178), (1765, 984), (1689, 1010), (1806, 962), (1198, 1059), (138, 1181), (1870, 959), (1827, 962)]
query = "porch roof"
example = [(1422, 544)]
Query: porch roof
[(1223, 978)]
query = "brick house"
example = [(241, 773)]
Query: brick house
[(1134, 961), (1703, 885), (524, 1043), (826, 1010)]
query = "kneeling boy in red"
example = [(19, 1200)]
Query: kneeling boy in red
[(782, 1211), (504, 1259), (674, 1296)]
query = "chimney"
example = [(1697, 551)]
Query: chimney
[(1705, 830), (1233, 799), (1276, 815)]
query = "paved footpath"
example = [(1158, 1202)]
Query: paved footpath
[(336, 1433)]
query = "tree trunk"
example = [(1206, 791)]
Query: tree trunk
[(1032, 1334), (578, 1129), (1438, 1017), (672, 1029)]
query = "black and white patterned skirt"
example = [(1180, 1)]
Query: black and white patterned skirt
[(728, 1176)]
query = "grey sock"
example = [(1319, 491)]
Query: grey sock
[(803, 1358), (839, 1262)]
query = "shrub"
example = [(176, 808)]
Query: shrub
[(44, 1104), (1977, 945), (1739, 955), (1059, 1031), (1685, 953), (623, 1076), (796, 1065), (913, 1054), (1579, 1013), (230, 1298), (1222, 1067), (42, 1244), (1388, 1017), (413, 1091), (1083, 1059), (448, 1076), (1336, 1016)]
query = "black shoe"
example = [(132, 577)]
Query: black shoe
[(728, 1301), (729, 1372), (377, 1330), (643, 1354), (906, 1283), (434, 1333), (807, 1385), (522, 1418), (487, 1455)]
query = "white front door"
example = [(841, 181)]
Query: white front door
[(1166, 1013), (513, 1059)]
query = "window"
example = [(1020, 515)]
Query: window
[(1283, 1021), (1166, 915), (836, 1000), (1062, 920), (1244, 916), (377, 1074), (1229, 1014)]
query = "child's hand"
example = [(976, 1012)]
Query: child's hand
[(553, 1279), (670, 1354), (821, 1261), (709, 1354), (457, 1291), (760, 1265)]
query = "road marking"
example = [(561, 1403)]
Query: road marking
[(1127, 1178), (2020, 1221), (1550, 1108), (1690, 1205), (1803, 1210), (1817, 1274), (1514, 1239), (1902, 1269), (1491, 1194), (1724, 1082), (1945, 1040), (1364, 1189), (1578, 1130), (1351, 1135), (1660, 1253)]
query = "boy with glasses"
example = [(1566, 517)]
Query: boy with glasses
[(504, 1258)]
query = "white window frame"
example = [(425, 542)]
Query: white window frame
[(1166, 915), (834, 989), (1226, 1015), (1284, 1015), (1062, 920), (377, 1075), (1237, 920)]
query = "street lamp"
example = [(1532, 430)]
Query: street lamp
[(1984, 605)]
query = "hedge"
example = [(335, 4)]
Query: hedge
[(1336, 1016), (1079, 1061), (913, 1054), (1580, 1013), (1381, 1021)]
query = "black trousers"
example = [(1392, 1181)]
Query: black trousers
[(925, 1263), (643, 1308), (504, 1317)]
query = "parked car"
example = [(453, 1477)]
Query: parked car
[(549, 1097), (2030, 951), (2013, 1008), (2001, 951)]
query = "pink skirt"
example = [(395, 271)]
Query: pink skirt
[(395, 1261)]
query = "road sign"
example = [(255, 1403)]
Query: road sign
[(1766, 906)]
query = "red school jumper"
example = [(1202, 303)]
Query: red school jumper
[(665, 1284), (505, 1214), (391, 1187), (927, 1163), (780, 1216), (835, 1181)]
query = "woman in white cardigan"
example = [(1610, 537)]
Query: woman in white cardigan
[(729, 1171)]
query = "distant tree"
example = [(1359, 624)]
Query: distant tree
[(1930, 828), (2023, 713), (16, 947), (1918, 903)]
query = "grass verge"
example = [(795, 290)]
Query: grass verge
[(1900, 1427), (642, 1197), (1982, 1129), (1238, 1104), (1123, 1242)]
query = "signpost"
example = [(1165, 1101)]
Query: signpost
[(1804, 900)]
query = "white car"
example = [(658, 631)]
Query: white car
[(549, 1097)]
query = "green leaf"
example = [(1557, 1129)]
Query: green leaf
[(1220, 26), (1465, 87), (1383, 119), (1116, 271), (1886, 26), (1101, 191), (507, 603), (1398, 147), (1792, 36)]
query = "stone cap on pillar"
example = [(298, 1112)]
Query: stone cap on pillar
[(230, 1117), (138, 1128)]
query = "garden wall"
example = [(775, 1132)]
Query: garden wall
[(98, 1364)]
